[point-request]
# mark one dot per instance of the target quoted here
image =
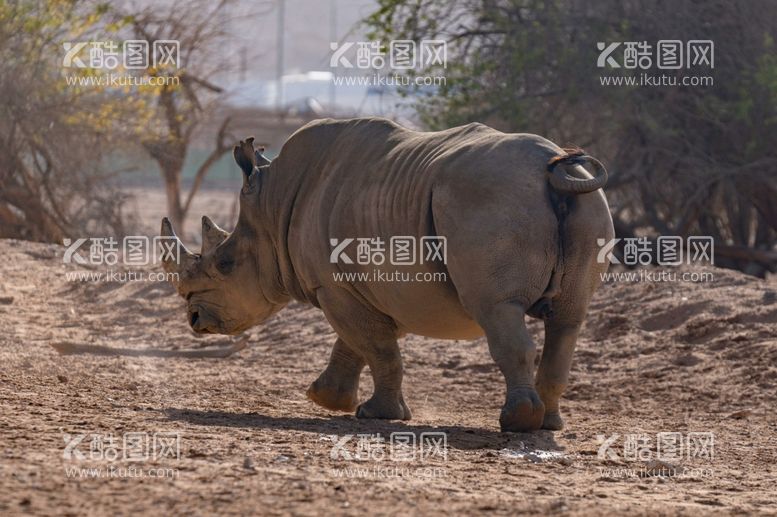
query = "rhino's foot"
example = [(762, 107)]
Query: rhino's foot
[(333, 396), (553, 421), (384, 407), (523, 411)]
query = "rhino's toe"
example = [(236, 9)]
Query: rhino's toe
[(553, 421), (332, 398), (384, 409), (523, 412)]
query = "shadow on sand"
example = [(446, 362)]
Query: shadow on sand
[(458, 437)]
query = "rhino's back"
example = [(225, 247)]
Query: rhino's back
[(378, 173)]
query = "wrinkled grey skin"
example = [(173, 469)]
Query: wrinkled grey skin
[(487, 192)]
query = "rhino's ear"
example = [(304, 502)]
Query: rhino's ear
[(245, 156), (212, 235), (249, 160), (261, 159)]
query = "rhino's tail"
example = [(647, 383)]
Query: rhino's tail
[(562, 182), (564, 187)]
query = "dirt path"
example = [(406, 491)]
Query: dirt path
[(237, 435)]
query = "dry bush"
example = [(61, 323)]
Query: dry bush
[(54, 138)]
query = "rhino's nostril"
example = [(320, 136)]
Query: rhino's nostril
[(193, 318)]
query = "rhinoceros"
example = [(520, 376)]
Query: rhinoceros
[(519, 217)]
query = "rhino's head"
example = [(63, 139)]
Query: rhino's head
[(228, 285)]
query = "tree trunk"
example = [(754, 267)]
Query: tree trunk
[(175, 210)]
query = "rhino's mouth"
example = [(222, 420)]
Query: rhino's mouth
[(202, 322)]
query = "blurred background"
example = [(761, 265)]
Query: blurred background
[(79, 157)]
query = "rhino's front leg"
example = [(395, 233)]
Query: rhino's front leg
[(513, 350), (337, 387), (373, 336), (386, 366)]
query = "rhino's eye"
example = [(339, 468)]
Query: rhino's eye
[(225, 266)]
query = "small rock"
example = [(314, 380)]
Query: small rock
[(559, 505), (687, 360), (248, 463), (739, 415), (6, 300), (62, 378)]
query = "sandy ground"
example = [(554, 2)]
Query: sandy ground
[(654, 358)]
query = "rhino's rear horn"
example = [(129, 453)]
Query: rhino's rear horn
[(212, 235)]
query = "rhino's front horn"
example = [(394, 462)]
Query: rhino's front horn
[(212, 235), (175, 256)]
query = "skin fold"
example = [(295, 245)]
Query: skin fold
[(485, 191)]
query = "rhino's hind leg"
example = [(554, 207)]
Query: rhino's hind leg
[(513, 350), (337, 388), (561, 332), (553, 373)]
